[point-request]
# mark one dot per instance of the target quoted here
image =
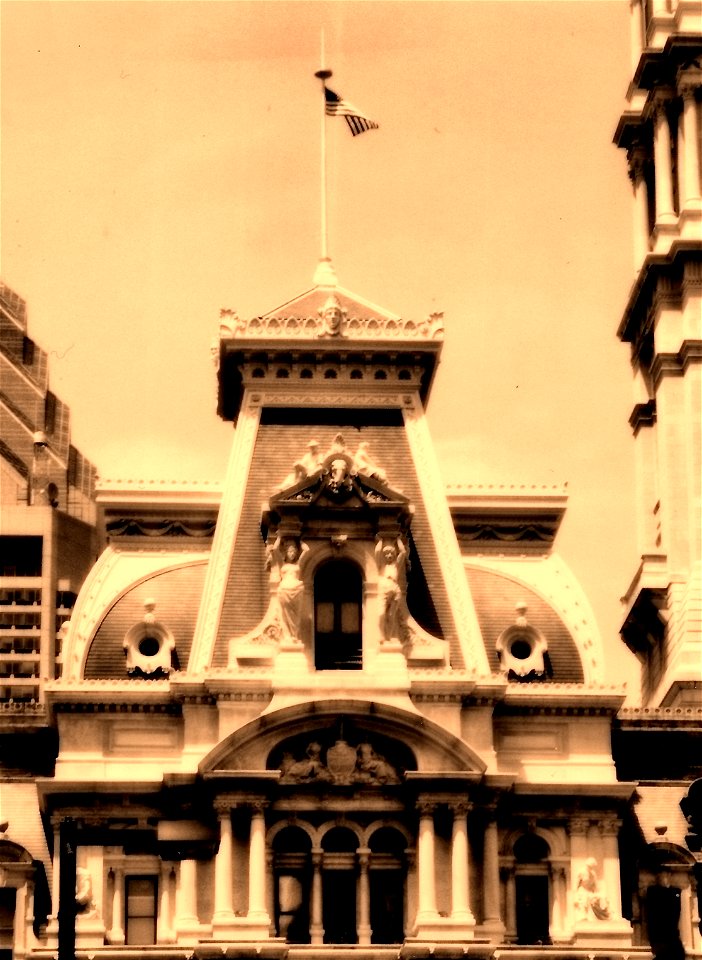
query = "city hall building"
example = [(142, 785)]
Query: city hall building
[(326, 708)]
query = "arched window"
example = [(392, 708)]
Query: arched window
[(338, 591), (532, 889), (291, 860)]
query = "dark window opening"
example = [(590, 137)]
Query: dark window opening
[(532, 908), (338, 591), (140, 910), (27, 351), (50, 413), (20, 556)]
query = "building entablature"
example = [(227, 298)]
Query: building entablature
[(660, 65), (664, 279), (326, 334)]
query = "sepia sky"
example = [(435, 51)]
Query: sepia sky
[(161, 160)]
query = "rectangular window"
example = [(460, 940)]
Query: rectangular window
[(50, 413), (27, 351), (140, 910), (20, 556)]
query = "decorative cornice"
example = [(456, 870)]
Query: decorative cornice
[(137, 527), (643, 415), (676, 364), (311, 327)]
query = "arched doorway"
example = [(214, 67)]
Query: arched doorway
[(338, 598), (387, 885), (292, 867), (532, 889), (339, 886)]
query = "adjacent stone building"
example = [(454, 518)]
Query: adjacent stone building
[(332, 708)]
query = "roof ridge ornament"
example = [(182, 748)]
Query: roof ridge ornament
[(325, 274)]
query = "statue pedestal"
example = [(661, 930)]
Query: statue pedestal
[(443, 929), (90, 931), (602, 933)]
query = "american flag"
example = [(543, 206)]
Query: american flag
[(336, 106)]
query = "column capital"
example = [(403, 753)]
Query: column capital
[(579, 826), (223, 807), (426, 808), (257, 806), (688, 81), (660, 101), (638, 156), (460, 808), (609, 826)]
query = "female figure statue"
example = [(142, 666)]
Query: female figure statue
[(391, 559), (286, 560)]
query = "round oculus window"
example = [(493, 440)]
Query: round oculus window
[(520, 648), (149, 646)]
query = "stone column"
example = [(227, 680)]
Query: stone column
[(492, 919), (364, 927), (637, 32), (270, 891), (460, 893), (558, 902), (638, 157), (695, 915), (665, 209), (578, 854), (165, 929), (690, 188), (223, 872), (316, 928), (257, 865), (510, 901), (52, 926), (187, 925), (116, 934), (426, 908), (609, 830)]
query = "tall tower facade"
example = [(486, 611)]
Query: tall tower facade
[(661, 131), (48, 512)]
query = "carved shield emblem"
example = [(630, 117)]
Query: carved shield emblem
[(341, 760)]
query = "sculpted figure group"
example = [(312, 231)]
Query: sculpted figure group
[(366, 766), (340, 459), (590, 900)]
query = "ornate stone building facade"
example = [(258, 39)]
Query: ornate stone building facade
[(332, 708)]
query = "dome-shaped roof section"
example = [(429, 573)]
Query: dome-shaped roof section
[(496, 597), (176, 593)]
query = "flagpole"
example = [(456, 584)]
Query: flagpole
[(324, 271)]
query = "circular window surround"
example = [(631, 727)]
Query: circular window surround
[(521, 649), (148, 647)]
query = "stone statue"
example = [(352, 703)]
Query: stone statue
[(371, 767), (332, 314), (311, 767), (285, 559), (391, 560), (363, 462), (308, 464), (590, 901), (85, 905)]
